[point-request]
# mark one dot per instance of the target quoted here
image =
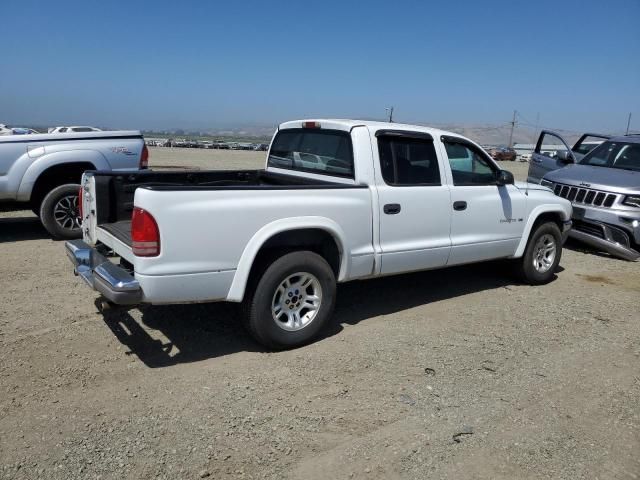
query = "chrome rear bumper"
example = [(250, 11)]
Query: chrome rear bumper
[(113, 282)]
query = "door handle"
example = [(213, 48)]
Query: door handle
[(536, 160), (391, 208), (459, 205)]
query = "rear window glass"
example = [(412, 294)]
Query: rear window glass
[(408, 161), (327, 152)]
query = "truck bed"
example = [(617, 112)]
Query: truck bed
[(115, 191), (121, 230)]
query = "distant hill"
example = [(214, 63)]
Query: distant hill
[(499, 135), (485, 134)]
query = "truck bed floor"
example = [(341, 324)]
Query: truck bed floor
[(121, 230)]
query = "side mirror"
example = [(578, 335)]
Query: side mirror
[(505, 178), (564, 156)]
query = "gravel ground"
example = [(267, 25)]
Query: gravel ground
[(461, 373)]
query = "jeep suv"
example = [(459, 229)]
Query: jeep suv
[(604, 188)]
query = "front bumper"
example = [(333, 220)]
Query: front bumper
[(113, 282), (610, 230), (608, 238)]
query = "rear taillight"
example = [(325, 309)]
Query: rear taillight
[(80, 203), (144, 158), (145, 236)]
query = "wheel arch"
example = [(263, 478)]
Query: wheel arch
[(58, 168), (539, 215), (319, 234)]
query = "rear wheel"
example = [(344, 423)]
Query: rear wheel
[(542, 255), (60, 213), (291, 301)]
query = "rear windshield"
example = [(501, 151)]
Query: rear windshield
[(327, 152)]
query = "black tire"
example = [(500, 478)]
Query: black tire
[(261, 294), (53, 204), (526, 266)]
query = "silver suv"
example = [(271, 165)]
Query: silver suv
[(604, 188)]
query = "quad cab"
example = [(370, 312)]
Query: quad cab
[(339, 200)]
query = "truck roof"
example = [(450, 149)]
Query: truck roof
[(348, 124)]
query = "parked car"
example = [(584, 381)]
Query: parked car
[(5, 130), (525, 157), (544, 161), (339, 200), (504, 154), (604, 188), (42, 171), (74, 129)]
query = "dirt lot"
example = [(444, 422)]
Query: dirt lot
[(462, 373)]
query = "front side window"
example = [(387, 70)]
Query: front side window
[(623, 155), (327, 152), (468, 165), (408, 161)]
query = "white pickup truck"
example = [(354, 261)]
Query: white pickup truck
[(42, 172), (339, 200)]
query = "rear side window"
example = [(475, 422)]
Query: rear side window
[(408, 161), (327, 152), (82, 129)]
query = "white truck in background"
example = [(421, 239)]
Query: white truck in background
[(339, 200), (42, 172)]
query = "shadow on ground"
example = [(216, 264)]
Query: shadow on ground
[(203, 331), (16, 229)]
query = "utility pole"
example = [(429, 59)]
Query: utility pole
[(628, 123), (390, 110), (513, 124)]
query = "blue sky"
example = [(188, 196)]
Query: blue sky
[(196, 64)]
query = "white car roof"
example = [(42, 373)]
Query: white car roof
[(348, 124)]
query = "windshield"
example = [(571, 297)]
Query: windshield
[(623, 155), (327, 152)]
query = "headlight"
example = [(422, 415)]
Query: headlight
[(546, 183), (632, 201)]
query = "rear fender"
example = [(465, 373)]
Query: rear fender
[(42, 163), (236, 292)]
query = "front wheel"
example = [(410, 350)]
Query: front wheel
[(291, 302), (542, 255), (60, 213)]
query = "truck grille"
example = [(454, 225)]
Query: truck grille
[(585, 196)]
